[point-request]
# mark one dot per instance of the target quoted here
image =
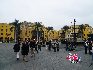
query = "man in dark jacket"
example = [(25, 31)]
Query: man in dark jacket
[(49, 47), (27, 46), (46, 45), (66, 45), (86, 46), (90, 47), (57, 43), (32, 47), (17, 49), (24, 50), (36, 46), (39, 45)]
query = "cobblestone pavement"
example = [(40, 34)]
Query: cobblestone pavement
[(44, 60)]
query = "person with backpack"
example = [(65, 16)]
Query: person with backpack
[(17, 49)]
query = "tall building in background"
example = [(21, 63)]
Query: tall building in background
[(86, 31), (61, 34), (37, 31), (45, 34), (29, 30), (26, 29), (6, 32), (53, 35)]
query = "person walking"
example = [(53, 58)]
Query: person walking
[(27, 46), (39, 46), (66, 45), (92, 55), (49, 47), (36, 45), (46, 45), (86, 46), (92, 51), (32, 47), (72, 46), (90, 47), (24, 51), (54, 46), (57, 44), (17, 49)]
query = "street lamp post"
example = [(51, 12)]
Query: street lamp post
[(74, 33), (37, 31)]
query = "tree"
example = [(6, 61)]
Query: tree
[(36, 32), (86, 25), (80, 32), (66, 28), (16, 30), (50, 28)]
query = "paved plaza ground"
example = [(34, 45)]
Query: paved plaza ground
[(44, 60)]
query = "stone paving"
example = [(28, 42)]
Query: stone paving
[(44, 60)]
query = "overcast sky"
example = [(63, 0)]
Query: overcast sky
[(56, 13)]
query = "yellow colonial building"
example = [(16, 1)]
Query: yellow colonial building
[(45, 34), (61, 34), (53, 35), (26, 30), (6, 32), (92, 31), (87, 30), (70, 32)]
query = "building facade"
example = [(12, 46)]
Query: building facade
[(70, 32), (26, 29), (6, 32), (45, 33), (61, 34), (86, 32), (53, 35)]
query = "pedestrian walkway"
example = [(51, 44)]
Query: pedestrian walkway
[(44, 60)]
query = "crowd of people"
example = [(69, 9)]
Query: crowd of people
[(52, 45), (89, 47), (33, 46), (70, 46)]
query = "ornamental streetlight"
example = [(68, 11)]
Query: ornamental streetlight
[(74, 34)]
